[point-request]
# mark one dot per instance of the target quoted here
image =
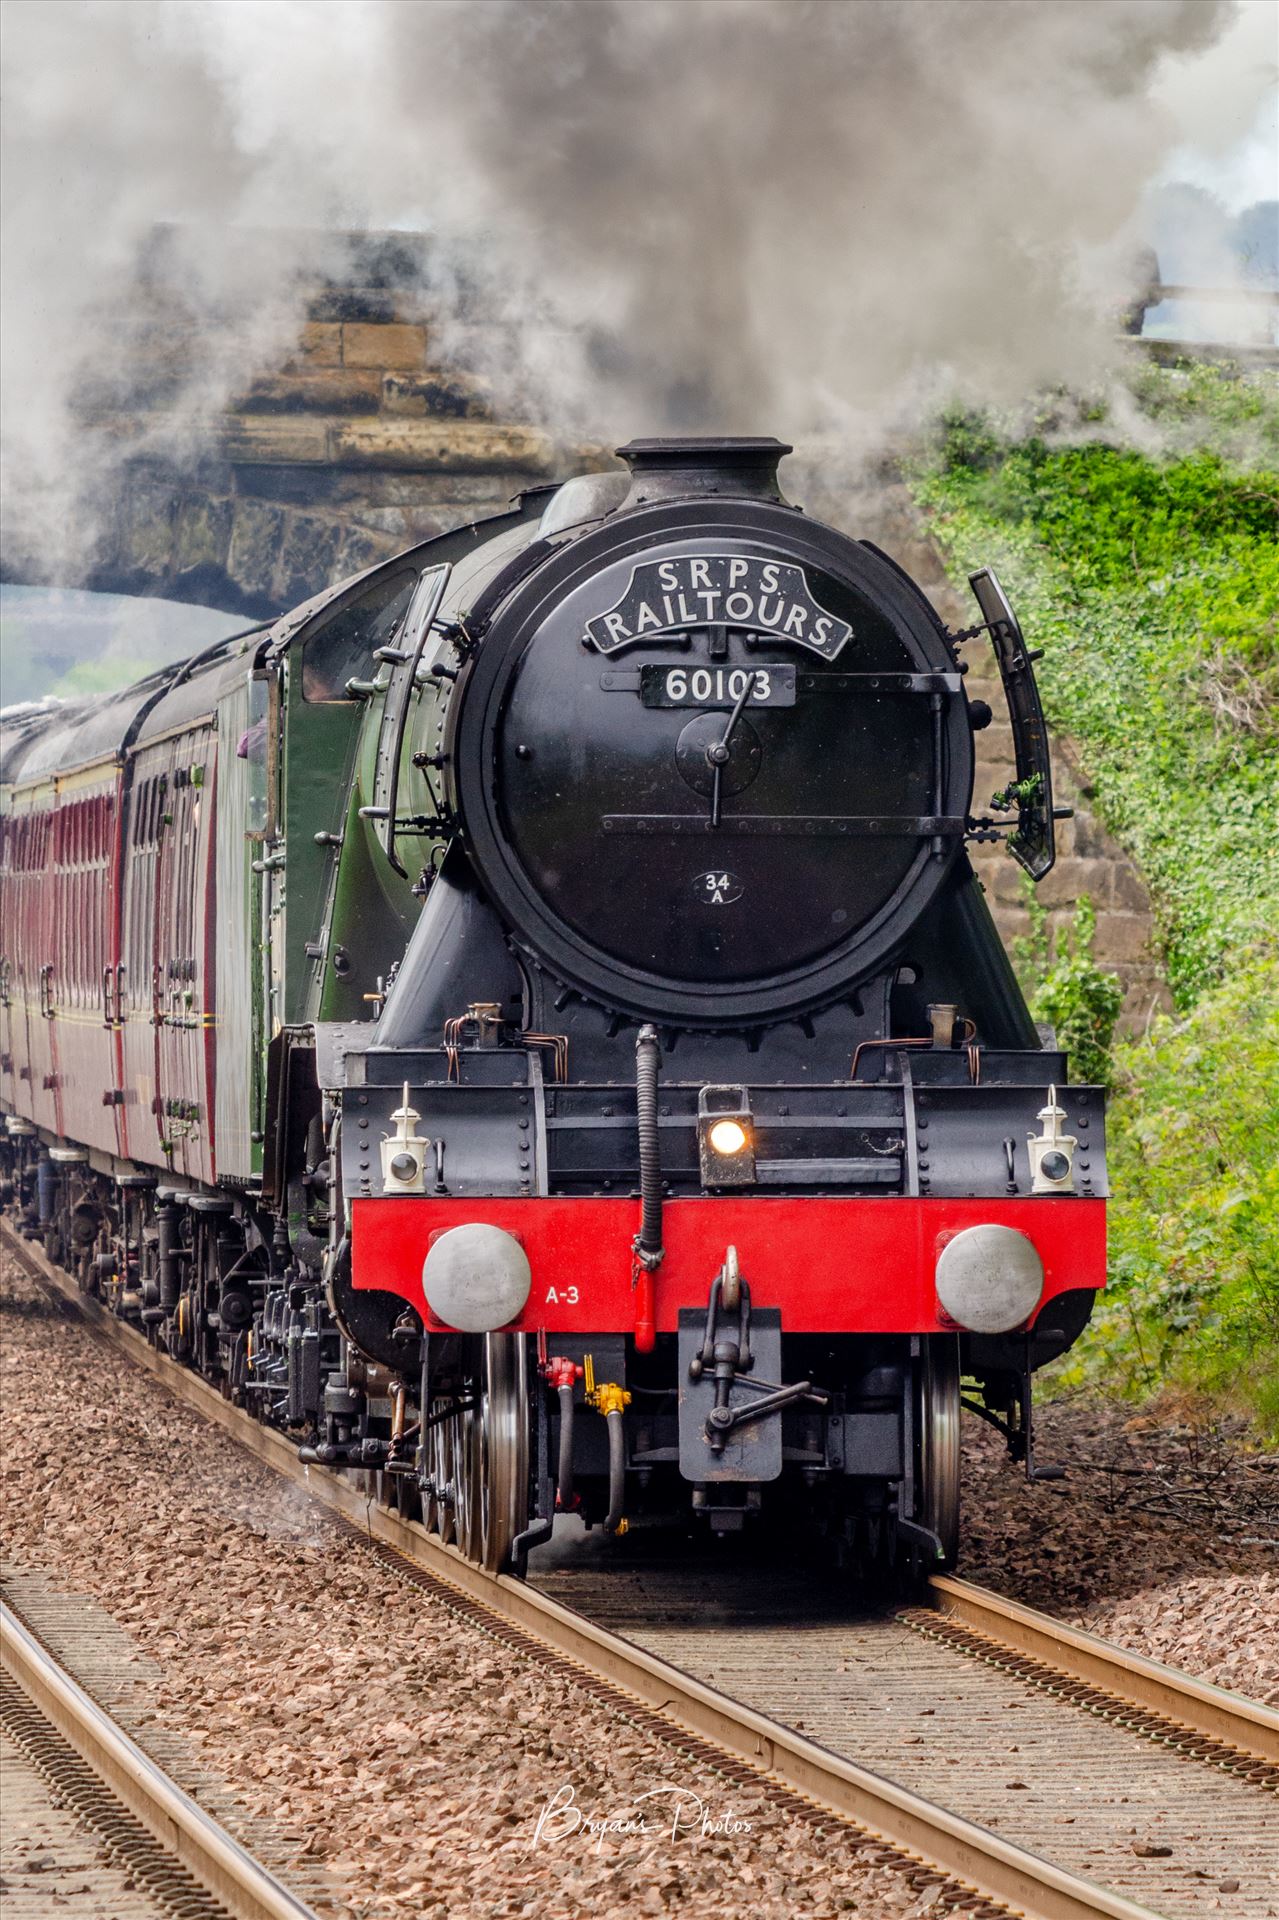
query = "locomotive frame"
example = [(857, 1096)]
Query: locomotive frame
[(418, 1156)]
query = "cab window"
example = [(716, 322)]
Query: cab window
[(342, 645), (254, 748)]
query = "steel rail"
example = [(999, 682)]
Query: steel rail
[(996, 1868), (1231, 1719), (184, 1830)]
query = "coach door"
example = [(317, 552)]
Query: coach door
[(28, 973), (183, 982), (137, 988), (82, 890), (42, 986)]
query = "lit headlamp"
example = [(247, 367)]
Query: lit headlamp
[(725, 1137)]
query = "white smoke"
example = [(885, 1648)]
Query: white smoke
[(795, 216)]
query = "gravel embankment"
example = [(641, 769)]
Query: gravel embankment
[(410, 1753), (1164, 1537)]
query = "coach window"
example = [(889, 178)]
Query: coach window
[(342, 645)]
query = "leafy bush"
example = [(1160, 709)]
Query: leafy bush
[(1078, 998), (1193, 1298), (1205, 404), (1152, 581), (1153, 585)]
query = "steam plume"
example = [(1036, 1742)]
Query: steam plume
[(795, 216)]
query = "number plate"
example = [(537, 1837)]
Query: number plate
[(717, 686)]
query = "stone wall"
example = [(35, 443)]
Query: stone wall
[(1089, 861), (362, 442), (276, 513)]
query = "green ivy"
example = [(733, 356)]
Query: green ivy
[(1153, 586), (1152, 583), (1018, 793), (1193, 1296), (1069, 990)]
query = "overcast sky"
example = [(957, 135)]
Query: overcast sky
[(1227, 100)]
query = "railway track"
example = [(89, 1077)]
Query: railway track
[(177, 1857), (770, 1682)]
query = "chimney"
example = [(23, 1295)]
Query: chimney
[(680, 469)]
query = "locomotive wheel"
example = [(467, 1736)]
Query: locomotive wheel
[(503, 1435), (466, 1502), (439, 1509), (485, 1456), (937, 1445)]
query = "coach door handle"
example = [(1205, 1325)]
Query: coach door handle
[(121, 973), (157, 1012), (6, 997), (107, 1020), (46, 995)]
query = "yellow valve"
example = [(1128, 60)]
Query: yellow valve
[(609, 1398)]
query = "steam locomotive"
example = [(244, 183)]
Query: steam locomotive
[(526, 1023)]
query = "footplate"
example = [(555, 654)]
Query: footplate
[(752, 1451)]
